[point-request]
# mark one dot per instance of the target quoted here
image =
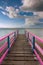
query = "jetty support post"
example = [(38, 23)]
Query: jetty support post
[(14, 36), (8, 42), (28, 36), (33, 44)]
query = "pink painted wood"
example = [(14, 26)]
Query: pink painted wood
[(39, 39), (5, 45), (37, 46), (4, 55), (38, 57), (6, 36)]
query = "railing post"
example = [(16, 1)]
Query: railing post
[(25, 33), (8, 42), (28, 35), (33, 44), (14, 36), (17, 32)]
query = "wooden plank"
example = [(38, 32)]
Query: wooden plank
[(20, 53)]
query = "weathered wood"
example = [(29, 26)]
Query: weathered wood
[(20, 53)]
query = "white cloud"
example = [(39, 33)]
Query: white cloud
[(40, 14), (1, 7), (3, 12), (34, 13), (10, 11), (29, 5), (17, 10), (31, 21)]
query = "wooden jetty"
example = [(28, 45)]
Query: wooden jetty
[(20, 52)]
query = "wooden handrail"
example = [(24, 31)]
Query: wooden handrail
[(36, 45), (7, 43), (38, 38), (2, 38)]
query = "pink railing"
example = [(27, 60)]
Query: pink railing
[(31, 38), (10, 39)]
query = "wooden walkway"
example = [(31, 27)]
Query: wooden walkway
[(20, 53)]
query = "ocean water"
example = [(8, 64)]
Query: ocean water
[(36, 31), (3, 32)]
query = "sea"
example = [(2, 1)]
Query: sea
[(36, 31)]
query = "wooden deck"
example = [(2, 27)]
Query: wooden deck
[(20, 53)]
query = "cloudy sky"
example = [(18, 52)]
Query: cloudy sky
[(21, 13)]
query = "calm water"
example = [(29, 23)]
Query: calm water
[(3, 32), (38, 32)]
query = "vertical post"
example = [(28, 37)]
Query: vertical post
[(17, 32), (33, 44), (28, 35), (14, 36), (25, 33), (8, 42)]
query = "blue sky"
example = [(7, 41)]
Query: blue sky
[(6, 21), (18, 13)]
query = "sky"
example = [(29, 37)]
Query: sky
[(21, 13)]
